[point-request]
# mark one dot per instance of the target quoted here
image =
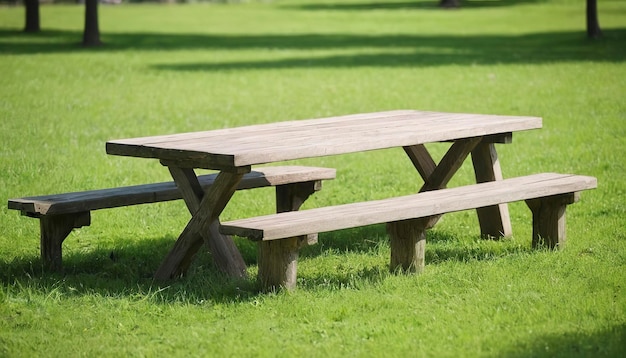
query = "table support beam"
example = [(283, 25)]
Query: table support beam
[(408, 237), (437, 176), (421, 159), (204, 224), (494, 220)]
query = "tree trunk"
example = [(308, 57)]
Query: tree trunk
[(593, 26), (450, 4), (91, 35), (32, 16)]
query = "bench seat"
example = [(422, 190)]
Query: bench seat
[(546, 194), (60, 213), (67, 203)]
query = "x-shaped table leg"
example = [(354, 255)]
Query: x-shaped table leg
[(408, 236), (437, 176), (494, 220), (205, 208)]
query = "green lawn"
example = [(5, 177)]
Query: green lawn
[(168, 69)]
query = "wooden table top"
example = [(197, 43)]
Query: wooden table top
[(274, 142)]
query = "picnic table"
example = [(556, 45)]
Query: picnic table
[(234, 151)]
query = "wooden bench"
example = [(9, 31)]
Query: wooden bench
[(59, 214), (547, 195)]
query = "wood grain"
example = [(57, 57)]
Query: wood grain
[(158, 192), (494, 220), (266, 143), (205, 224), (419, 205)]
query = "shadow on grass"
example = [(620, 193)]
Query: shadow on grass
[(127, 270), (408, 5), (373, 240), (366, 239), (610, 342), (371, 50)]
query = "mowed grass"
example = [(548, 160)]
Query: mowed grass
[(168, 69)]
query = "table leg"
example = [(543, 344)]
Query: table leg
[(437, 176), (204, 224), (494, 220), (408, 237)]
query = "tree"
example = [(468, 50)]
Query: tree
[(32, 16), (593, 25), (91, 33), (450, 3)]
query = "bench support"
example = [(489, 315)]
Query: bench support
[(54, 230), (203, 225), (408, 245), (278, 259), (549, 219), (278, 263), (408, 217), (290, 197), (58, 214), (494, 220)]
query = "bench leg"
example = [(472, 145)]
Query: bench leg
[(494, 220), (290, 197), (278, 263), (408, 244), (549, 219), (54, 230)]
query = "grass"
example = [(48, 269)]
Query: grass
[(167, 69)]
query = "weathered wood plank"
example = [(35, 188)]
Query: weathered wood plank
[(158, 192), (281, 141), (419, 205), (546, 195), (260, 127)]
